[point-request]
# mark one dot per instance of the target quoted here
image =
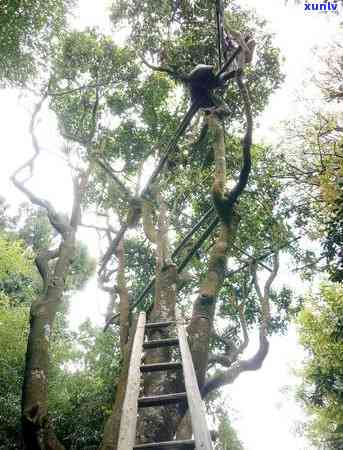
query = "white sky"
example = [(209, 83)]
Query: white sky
[(264, 417)]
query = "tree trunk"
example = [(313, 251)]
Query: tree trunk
[(201, 326), (37, 431), (158, 424), (152, 421)]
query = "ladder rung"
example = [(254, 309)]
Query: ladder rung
[(158, 324), (161, 366), (161, 343), (161, 400), (184, 445)]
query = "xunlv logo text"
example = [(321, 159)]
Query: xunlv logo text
[(320, 6)]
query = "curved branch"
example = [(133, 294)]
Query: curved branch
[(80, 183), (272, 276), (42, 264), (254, 363), (228, 359), (112, 247), (264, 298), (148, 225), (98, 228), (243, 345), (222, 359), (225, 205), (255, 280), (223, 378), (177, 76), (31, 161), (61, 225)]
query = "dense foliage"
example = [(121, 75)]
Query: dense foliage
[(315, 166), (28, 30), (315, 169), (321, 334)]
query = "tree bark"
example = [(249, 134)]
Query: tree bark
[(201, 325), (37, 431), (152, 421)]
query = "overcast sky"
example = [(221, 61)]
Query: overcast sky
[(264, 417)]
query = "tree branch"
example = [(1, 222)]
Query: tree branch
[(231, 356), (60, 224), (148, 225), (78, 89), (123, 296), (119, 183), (172, 73), (97, 228), (244, 343), (222, 378), (42, 264), (80, 183), (112, 247), (272, 276), (224, 204), (255, 280), (264, 298)]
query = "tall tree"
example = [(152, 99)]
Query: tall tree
[(53, 265), (61, 267), (172, 204), (117, 108)]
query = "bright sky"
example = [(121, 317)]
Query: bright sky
[(264, 417)]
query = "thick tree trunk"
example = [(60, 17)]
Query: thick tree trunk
[(37, 431), (152, 422), (160, 424), (201, 326)]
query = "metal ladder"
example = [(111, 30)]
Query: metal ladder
[(132, 401)]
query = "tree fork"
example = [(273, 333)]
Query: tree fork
[(38, 433)]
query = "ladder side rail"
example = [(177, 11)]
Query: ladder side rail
[(201, 432), (128, 422)]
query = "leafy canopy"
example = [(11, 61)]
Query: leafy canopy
[(27, 31), (321, 333)]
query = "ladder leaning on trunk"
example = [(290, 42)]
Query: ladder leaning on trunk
[(127, 432)]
